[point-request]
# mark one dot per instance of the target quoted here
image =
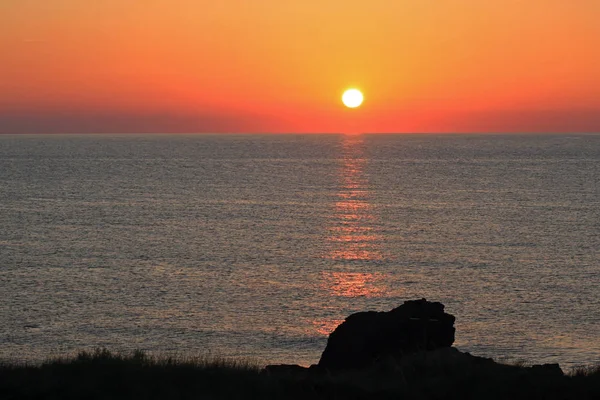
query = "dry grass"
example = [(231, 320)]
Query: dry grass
[(100, 374)]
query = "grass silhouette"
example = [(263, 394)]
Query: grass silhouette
[(104, 375)]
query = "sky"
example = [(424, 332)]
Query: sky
[(118, 66)]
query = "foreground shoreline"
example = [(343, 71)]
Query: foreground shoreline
[(105, 375)]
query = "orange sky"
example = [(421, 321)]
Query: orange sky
[(281, 65)]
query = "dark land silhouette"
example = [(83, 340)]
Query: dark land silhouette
[(405, 353)]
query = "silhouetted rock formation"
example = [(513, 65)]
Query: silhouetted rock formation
[(410, 348), (449, 361), (367, 337), (292, 370)]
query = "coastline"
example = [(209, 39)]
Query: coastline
[(102, 374)]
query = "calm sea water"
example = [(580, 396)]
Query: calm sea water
[(258, 246)]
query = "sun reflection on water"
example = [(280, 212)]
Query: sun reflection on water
[(355, 284), (325, 327), (352, 234)]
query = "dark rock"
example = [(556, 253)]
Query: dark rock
[(285, 369), (547, 370), (446, 357), (366, 337), (449, 363)]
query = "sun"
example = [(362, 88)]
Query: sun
[(352, 98)]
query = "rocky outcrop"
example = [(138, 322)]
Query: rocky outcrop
[(409, 344), (366, 337)]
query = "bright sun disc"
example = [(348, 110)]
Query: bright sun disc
[(352, 98)]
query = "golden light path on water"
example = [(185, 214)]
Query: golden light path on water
[(352, 234), (353, 240)]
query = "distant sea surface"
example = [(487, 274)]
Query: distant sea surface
[(258, 246)]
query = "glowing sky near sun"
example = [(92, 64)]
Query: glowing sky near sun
[(281, 66)]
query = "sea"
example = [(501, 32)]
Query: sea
[(256, 247)]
